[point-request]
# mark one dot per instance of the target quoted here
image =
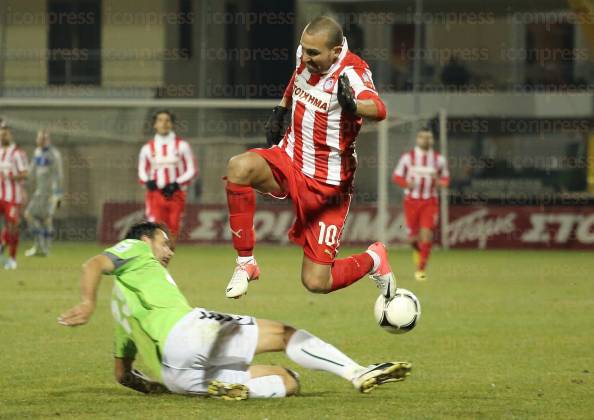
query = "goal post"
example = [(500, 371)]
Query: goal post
[(383, 178), (394, 137), (444, 214)]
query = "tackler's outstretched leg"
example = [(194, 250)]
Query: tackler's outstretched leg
[(311, 352)]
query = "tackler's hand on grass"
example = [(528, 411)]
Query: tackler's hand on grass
[(78, 315)]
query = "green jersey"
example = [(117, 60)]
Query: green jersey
[(146, 303)]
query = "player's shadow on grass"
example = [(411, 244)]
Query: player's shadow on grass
[(313, 394), (103, 390), (126, 393)]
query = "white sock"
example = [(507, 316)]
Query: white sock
[(376, 260), (243, 260), (271, 386), (310, 352)]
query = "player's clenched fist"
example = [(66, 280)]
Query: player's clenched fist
[(345, 95), (79, 315), (275, 125)]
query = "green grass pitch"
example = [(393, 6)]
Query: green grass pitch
[(504, 334)]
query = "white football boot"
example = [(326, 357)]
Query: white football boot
[(420, 275), (35, 252), (383, 276), (243, 274), (379, 374), (10, 264)]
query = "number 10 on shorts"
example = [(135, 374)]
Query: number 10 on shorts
[(327, 234)]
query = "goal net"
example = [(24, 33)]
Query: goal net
[(100, 141), (380, 147)]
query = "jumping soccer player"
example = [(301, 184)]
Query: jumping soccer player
[(420, 172), (46, 173), (13, 171), (194, 350), (166, 166), (313, 163)]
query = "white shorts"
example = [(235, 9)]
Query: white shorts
[(206, 345)]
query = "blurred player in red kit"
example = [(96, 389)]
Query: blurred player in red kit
[(13, 172), (420, 172), (166, 166), (313, 163)]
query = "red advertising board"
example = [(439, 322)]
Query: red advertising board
[(469, 227)]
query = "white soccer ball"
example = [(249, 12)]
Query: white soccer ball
[(399, 314)]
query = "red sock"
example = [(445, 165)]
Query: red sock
[(425, 248), (4, 236), (12, 240), (346, 271), (241, 201)]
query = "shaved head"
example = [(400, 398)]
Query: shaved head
[(329, 26)]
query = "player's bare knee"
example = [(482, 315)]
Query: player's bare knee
[(426, 236), (240, 169), (315, 283), (288, 332), (291, 383)]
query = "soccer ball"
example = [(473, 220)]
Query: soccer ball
[(399, 314)]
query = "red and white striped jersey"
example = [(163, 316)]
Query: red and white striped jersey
[(423, 169), (13, 162), (167, 159), (321, 138)]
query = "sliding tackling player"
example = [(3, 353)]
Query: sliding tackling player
[(195, 350)]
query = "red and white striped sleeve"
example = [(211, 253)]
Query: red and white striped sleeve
[(401, 170), (363, 87), (360, 79), (20, 159), (144, 165), (189, 166)]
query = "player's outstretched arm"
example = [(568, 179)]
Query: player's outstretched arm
[(92, 271)]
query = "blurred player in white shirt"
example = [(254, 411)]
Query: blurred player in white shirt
[(13, 171), (46, 173), (166, 166), (420, 172)]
